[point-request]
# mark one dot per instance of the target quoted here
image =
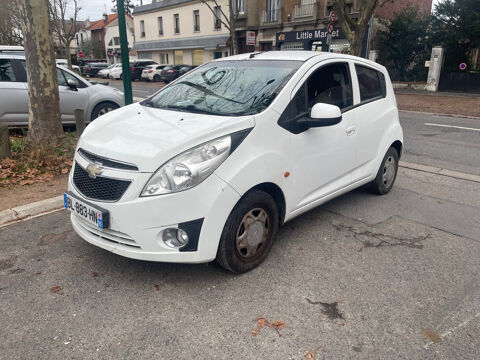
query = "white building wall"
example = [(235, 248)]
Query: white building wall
[(112, 31)]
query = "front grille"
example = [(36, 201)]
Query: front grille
[(108, 234), (99, 188), (106, 162)]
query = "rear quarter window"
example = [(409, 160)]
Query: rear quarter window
[(371, 83), (6, 71)]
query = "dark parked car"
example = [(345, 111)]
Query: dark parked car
[(92, 69), (170, 73), (137, 68), (186, 69)]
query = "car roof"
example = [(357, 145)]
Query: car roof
[(296, 55)]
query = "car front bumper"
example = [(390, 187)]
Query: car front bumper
[(137, 223)]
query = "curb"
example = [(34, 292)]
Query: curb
[(30, 210), (439, 114), (439, 171)]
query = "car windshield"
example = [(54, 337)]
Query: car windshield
[(229, 87)]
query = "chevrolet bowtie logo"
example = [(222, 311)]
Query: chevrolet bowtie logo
[(94, 170)]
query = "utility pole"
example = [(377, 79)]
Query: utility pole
[(122, 27)]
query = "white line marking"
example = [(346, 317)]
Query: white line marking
[(452, 126)]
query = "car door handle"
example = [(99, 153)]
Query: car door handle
[(350, 130)]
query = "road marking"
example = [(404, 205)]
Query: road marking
[(452, 126)]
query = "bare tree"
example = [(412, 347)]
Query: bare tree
[(129, 6), (64, 29), (229, 21), (355, 28), (10, 32), (44, 124)]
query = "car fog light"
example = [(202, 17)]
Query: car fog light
[(175, 238)]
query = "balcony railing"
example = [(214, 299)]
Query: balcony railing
[(306, 9), (270, 16)]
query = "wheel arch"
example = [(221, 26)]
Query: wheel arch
[(277, 194), (397, 145), (103, 101)]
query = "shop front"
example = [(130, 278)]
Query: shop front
[(315, 40)]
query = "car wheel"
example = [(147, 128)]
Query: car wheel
[(121, 76), (156, 78), (387, 173), (103, 108), (248, 233)]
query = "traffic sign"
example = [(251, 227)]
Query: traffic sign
[(462, 66), (250, 37), (80, 54), (330, 28), (333, 16)]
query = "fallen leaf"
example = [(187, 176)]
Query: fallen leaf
[(96, 274), (431, 335), (157, 287), (276, 325), (57, 289), (260, 324)]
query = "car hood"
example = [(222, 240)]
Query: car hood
[(148, 137)]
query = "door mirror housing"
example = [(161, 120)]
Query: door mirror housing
[(72, 84), (322, 115)]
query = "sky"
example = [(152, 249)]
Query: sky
[(94, 9)]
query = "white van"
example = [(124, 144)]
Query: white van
[(211, 165)]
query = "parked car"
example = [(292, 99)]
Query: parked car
[(92, 69), (170, 73), (105, 73), (211, 165), (64, 62), (75, 93), (137, 68), (146, 70), (186, 69), (154, 74), (117, 72)]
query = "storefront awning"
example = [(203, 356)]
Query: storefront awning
[(204, 42)]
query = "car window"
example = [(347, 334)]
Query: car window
[(68, 76), (6, 70), (60, 78), (370, 82), (330, 84)]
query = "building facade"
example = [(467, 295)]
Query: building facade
[(180, 32), (112, 39)]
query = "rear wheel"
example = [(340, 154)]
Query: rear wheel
[(103, 108), (387, 173), (156, 78), (248, 233), (121, 76)]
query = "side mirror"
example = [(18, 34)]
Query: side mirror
[(72, 84), (322, 115)]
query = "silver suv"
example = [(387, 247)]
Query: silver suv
[(75, 93)]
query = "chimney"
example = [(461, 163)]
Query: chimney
[(105, 18)]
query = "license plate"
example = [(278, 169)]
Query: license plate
[(91, 213)]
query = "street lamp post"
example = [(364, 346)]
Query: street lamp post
[(127, 81)]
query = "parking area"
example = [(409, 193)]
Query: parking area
[(361, 277)]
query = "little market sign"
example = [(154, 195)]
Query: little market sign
[(320, 34)]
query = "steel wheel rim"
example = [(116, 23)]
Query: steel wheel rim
[(104, 110), (389, 170), (252, 234)]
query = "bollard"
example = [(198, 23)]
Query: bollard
[(79, 121), (5, 150)]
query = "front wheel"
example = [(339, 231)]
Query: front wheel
[(248, 233), (387, 173), (156, 78), (103, 108)]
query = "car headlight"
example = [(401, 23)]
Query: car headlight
[(191, 167)]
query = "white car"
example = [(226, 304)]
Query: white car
[(211, 165), (154, 73), (116, 72), (148, 68), (75, 93), (105, 73)]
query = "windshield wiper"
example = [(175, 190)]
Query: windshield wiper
[(148, 103), (193, 109), (207, 91)]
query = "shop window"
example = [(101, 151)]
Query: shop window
[(217, 55), (164, 58), (197, 57), (178, 55)]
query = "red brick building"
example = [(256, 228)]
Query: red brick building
[(389, 9)]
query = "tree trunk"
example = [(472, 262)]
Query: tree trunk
[(356, 41), (44, 124), (69, 58)]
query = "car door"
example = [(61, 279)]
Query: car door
[(13, 93), (324, 157), (71, 99), (372, 115)]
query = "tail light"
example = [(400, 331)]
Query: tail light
[(133, 68), (88, 69), (150, 71), (170, 72)]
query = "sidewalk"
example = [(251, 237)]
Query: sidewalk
[(461, 104)]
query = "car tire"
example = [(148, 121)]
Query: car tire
[(242, 247), (156, 78), (103, 108), (121, 76), (387, 173)]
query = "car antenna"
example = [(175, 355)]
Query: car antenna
[(252, 55)]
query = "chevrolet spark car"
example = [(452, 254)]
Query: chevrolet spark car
[(211, 165)]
